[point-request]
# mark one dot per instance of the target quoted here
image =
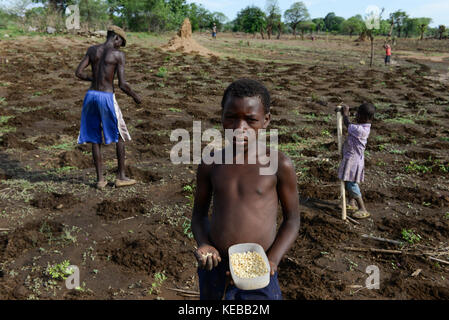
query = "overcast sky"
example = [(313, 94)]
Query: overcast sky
[(438, 10)]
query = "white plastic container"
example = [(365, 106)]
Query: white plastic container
[(249, 283)]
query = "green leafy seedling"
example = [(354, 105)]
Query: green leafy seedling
[(60, 270), (162, 72), (410, 236)]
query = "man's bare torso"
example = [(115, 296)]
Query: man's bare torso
[(104, 62)]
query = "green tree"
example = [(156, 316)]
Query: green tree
[(178, 12), (441, 30), (411, 27), (202, 19), (94, 13), (133, 15), (273, 13), (199, 16), (177, 6), (52, 14), (220, 19), (423, 24), (328, 20), (399, 17), (6, 17), (148, 15), (319, 24), (296, 14), (305, 26), (384, 27), (159, 17), (333, 23), (228, 26), (55, 5), (250, 20), (353, 25)]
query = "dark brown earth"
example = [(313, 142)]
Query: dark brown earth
[(124, 239)]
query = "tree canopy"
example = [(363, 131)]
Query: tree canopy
[(250, 20), (353, 25), (273, 14), (167, 15), (297, 13), (333, 22)]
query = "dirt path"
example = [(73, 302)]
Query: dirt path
[(434, 57)]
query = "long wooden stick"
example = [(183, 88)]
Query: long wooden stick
[(381, 239), (189, 295), (439, 260), (184, 291), (373, 250), (352, 220), (396, 252), (340, 146)]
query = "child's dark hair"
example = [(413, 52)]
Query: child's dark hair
[(247, 88), (367, 110), (110, 34)]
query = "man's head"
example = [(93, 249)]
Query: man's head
[(365, 113), (117, 35), (246, 105)]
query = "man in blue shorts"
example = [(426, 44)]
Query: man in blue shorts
[(101, 113)]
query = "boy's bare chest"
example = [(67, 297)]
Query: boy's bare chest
[(242, 180)]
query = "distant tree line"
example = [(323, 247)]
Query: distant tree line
[(297, 19), (132, 15), (167, 15)]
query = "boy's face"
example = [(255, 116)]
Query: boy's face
[(244, 114), (117, 41)]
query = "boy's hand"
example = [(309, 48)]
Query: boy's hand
[(207, 257)]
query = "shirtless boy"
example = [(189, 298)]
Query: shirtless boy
[(100, 109), (245, 203)]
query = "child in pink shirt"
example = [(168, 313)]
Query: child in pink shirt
[(352, 167)]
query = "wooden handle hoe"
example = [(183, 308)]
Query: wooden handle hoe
[(340, 146)]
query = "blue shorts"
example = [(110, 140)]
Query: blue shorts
[(98, 115), (353, 189), (212, 286)]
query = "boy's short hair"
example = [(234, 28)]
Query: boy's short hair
[(114, 30), (367, 110), (247, 88)]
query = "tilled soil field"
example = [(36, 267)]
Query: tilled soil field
[(136, 243)]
